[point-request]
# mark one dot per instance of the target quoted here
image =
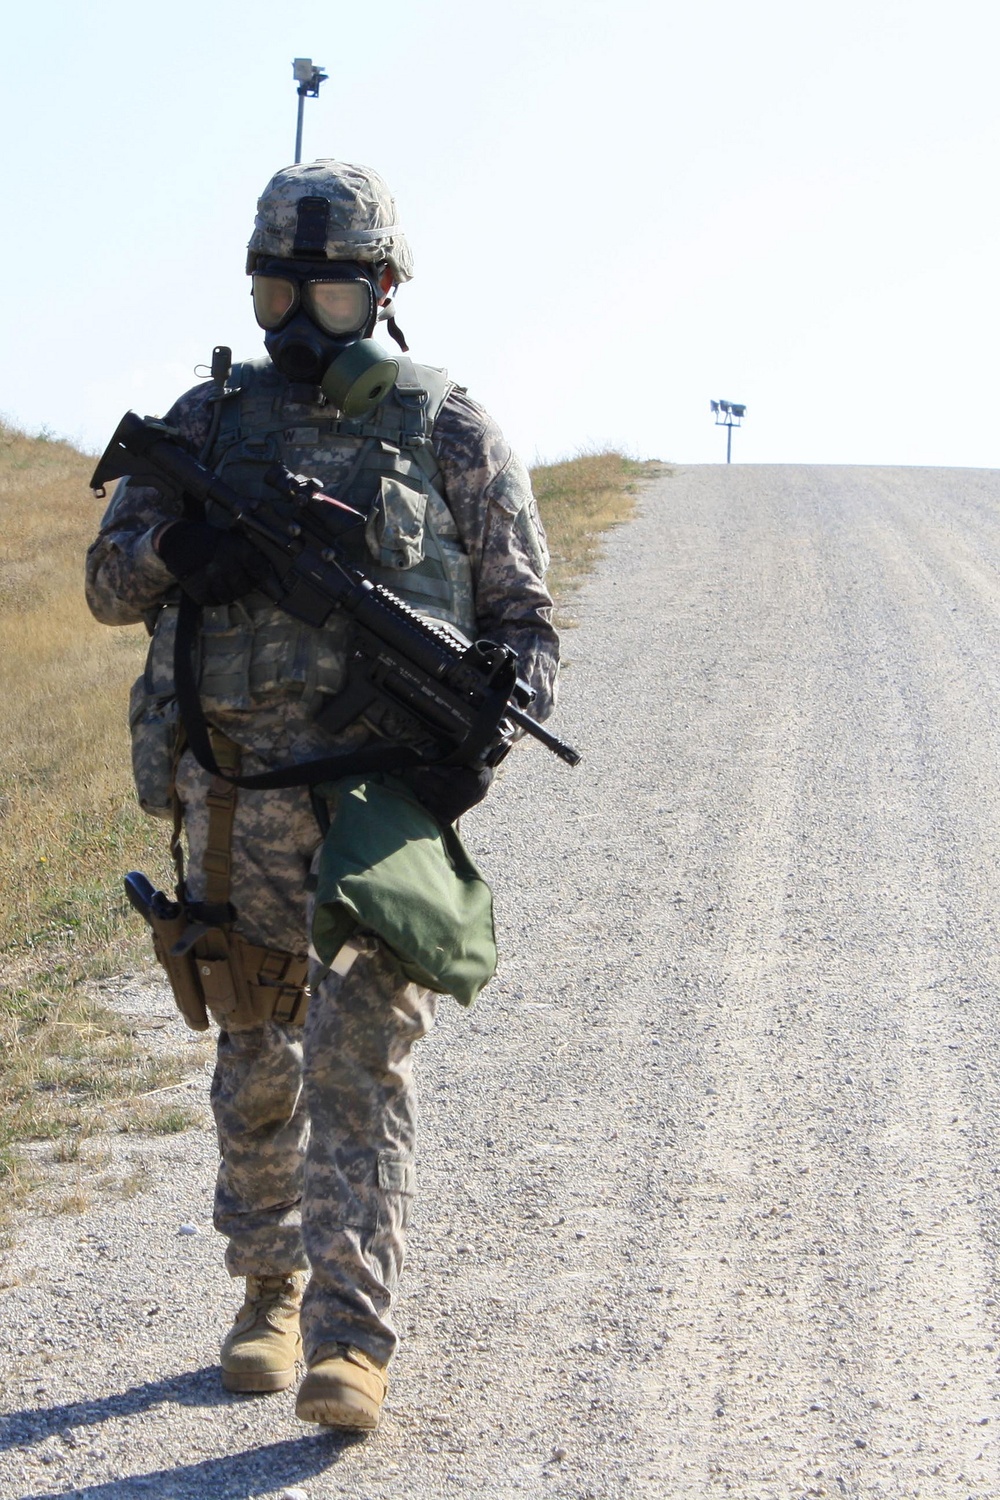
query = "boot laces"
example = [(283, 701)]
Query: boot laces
[(267, 1294)]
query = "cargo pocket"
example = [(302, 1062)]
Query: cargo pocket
[(226, 653), (153, 726), (160, 660), (397, 1181), (279, 657), (327, 656), (396, 1173)]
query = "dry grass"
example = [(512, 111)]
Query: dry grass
[(68, 822), (66, 807), (579, 500), (68, 819), (76, 1201)]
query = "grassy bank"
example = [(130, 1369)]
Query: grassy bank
[(69, 822), (579, 500), (69, 825)]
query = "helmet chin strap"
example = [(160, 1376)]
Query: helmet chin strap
[(387, 316), (395, 332)]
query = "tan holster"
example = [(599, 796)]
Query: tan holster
[(189, 996), (242, 984)]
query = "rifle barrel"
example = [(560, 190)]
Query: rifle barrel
[(544, 736)]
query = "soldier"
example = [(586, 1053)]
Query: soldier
[(313, 1092)]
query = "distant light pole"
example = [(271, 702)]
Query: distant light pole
[(728, 414), (308, 79)]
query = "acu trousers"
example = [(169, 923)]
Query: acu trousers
[(316, 1123)]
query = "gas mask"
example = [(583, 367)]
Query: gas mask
[(317, 320)]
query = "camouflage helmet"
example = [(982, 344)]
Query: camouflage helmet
[(349, 215)]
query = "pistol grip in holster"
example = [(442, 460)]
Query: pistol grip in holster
[(181, 969)]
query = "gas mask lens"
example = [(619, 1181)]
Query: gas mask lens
[(338, 307), (273, 299)]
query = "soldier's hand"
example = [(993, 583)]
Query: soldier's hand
[(213, 565), (449, 791)]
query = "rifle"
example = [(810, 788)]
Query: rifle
[(464, 699)]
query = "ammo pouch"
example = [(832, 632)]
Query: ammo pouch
[(244, 985)]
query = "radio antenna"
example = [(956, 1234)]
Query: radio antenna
[(308, 79)]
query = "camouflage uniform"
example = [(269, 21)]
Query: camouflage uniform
[(316, 1124)]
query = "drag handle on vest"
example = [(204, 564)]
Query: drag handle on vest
[(464, 695)]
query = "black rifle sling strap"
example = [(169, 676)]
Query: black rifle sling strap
[(379, 757)]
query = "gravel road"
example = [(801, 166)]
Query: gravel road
[(709, 1200)]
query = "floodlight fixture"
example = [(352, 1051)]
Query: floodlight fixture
[(728, 414), (308, 79)]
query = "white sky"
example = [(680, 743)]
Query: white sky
[(618, 210)]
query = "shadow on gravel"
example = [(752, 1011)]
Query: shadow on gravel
[(241, 1476), (237, 1476)]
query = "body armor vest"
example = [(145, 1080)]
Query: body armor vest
[(385, 467)]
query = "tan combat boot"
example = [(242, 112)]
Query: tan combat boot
[(260, 1350), (346, 1390)]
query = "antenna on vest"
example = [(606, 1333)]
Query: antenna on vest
[(308, 79), (222, 363)]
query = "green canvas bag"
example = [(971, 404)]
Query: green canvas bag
[(388, 867)]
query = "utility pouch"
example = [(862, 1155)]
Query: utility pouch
[(180, 969), (217, 980), (154, 726), (395, 528), (388, 867)]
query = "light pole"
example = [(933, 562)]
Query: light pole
[(308, 79), (728, 414)]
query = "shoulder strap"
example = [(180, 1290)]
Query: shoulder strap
[(426, 385), (421, 391), (221, 803), (251, 403), (227, 426)]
